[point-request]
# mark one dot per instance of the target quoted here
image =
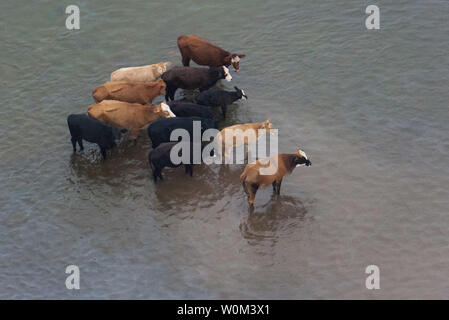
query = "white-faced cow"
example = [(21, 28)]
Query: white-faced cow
[(131, 116), (193, 78), (220, 98)]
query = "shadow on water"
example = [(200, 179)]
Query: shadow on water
[(279, 216)]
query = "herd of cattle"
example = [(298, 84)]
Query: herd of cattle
[(125, 104)]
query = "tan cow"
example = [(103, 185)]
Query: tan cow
[(271, 171), (142, 93), (131, 116), (240, 134), (140, 74)]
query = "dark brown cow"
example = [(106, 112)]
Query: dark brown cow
[(206, 54)]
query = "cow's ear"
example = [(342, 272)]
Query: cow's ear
[(242, 55), (168, 63), (228, 58), (236, 89)]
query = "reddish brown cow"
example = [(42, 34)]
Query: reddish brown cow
[(206, 54)]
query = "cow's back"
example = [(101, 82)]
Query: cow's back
[(136, 74), (160, 130), (90, 129), (185, 77), (201, 51), (118, 114), (191, 109)]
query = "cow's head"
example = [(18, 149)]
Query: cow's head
[(116, 134), (241, 94), (234, 59), (268, 126), (220, 73), (301, 159), (162, 66), (166, 111)]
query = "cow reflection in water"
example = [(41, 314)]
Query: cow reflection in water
[(280, 214)]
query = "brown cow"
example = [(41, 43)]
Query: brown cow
[(142, 93), (206, 54), (140, 74), (131, 116), (240, 134), (271, 171)]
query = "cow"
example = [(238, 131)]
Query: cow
[(193, 78), (240, 134), (160, 130), (220, 98), (206, 54), (160, 158), (82, 126), (253, 177), (140, 74), (186, 109), (131, 116), (143, 93)]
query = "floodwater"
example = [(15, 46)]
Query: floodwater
[(370, 108)]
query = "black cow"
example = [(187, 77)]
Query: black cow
[(160, 130), (187, 109), (192, 78), (82, 126), (160, 158), (220, 98)]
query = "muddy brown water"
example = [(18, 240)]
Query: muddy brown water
[(370, 108)]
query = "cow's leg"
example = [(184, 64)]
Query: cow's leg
[(245, 188), (74, 143), (278, 187), (80, 142), (168, 92), (252, 193), (134, 134), (155, 173), (274, 186), (103, 152), (223, 110), (159, 173), (172, 93), (185, 60), (189, 169)]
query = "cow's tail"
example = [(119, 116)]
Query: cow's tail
[(100, 94)]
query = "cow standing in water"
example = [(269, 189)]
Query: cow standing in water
[(206, 54), (82, 127), (253, 178)]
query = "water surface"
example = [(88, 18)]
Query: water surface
[(370, 108)]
